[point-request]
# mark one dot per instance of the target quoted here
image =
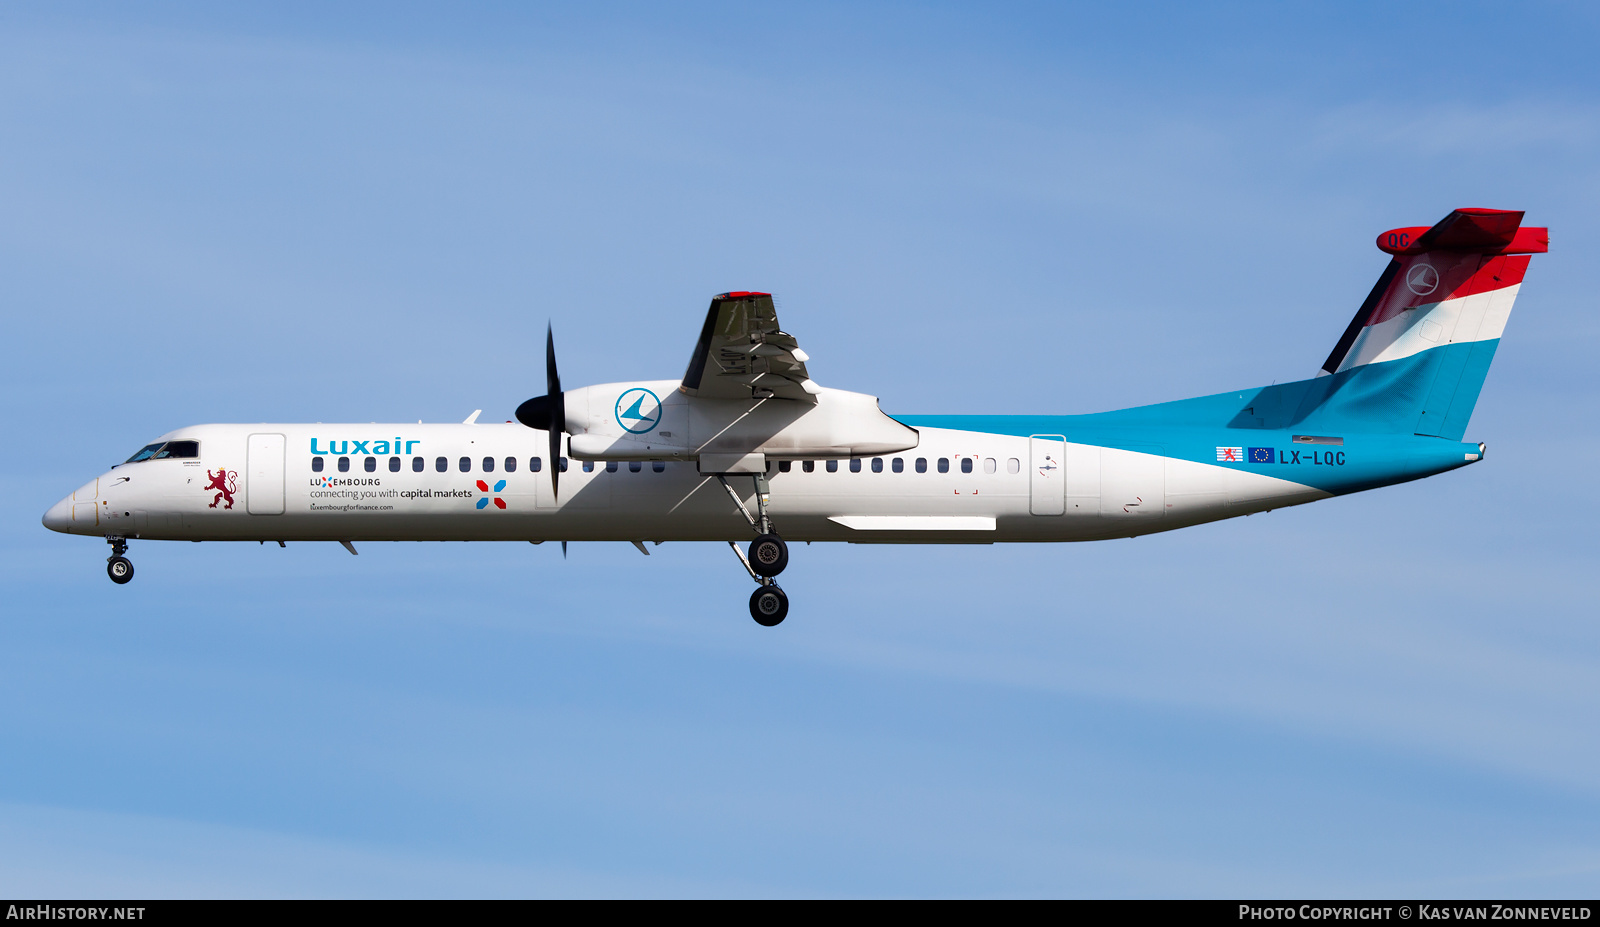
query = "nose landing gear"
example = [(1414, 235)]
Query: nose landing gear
[(768, 557), (118, 567)]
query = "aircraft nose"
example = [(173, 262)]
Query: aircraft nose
[(59, 518)]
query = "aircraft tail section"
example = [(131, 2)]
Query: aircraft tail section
[(1416, 354)]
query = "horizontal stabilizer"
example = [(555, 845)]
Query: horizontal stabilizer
[(1475, 231)]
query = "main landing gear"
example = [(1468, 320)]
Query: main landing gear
[(768, 556), (118, 567)]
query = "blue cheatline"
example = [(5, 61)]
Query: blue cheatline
[(1399, 420)]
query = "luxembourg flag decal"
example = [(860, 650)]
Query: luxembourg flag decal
[(1230, 455)]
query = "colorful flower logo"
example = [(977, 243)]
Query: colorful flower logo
[(483, 487)]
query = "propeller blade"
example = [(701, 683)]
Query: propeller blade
[(552, 378), (563, 550), (548, 412), (555, 464), (557, 409)]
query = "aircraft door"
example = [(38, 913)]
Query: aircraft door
[(1047, 479), (263, 485)]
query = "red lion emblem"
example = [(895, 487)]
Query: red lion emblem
[(223, 482)]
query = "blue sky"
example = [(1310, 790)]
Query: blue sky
[(370, 213)]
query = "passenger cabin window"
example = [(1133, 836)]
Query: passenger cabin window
[(660, 466), (634, 466), (535, 464), (488, 464), (877, 465), (922, 465), (370, 464), (564, 465), (344, 465), (511, 464), (465, 464), (1013, 465), (809, 466), (784, 466), (855, 465), (944, 465), (416, 464), (898, 465), (611, 466), (441, 464), (966, 465), (588, 465), (316, 465), (988, 465), (394, 465), (833, 466)]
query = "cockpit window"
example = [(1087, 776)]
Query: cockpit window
[(162, 451), (146, 452)]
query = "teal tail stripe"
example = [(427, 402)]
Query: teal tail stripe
[(1398, 420)]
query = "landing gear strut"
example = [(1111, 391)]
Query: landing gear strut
[(118, 567), (768, 556)]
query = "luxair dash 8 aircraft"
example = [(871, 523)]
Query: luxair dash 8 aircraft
[(747, 443)]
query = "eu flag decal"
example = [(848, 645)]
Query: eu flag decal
[(1261, 455)]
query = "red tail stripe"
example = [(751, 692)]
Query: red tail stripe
[(1490, 273), (1497, 273)]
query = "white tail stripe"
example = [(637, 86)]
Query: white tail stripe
[(1479, 317)]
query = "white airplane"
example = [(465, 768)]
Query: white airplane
[(747, 443)]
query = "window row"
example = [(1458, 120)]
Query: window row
[(441, 464), (536, 464), (898, 465)]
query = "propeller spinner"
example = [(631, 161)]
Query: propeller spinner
[(548, 412)]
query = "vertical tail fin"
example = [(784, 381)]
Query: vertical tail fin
[(1418, 350)]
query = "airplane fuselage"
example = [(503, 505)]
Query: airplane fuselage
[(1060, 478)]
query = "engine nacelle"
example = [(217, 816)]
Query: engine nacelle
[(653, 420)]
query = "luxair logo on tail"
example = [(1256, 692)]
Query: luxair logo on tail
[(638, 410), (1422, 279)]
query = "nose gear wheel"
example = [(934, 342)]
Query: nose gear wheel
[(118, 567)]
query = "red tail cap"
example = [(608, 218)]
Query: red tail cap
[(1484, 231)]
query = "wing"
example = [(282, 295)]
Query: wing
[(743, 354)]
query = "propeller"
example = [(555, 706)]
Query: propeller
[(549, 412)]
